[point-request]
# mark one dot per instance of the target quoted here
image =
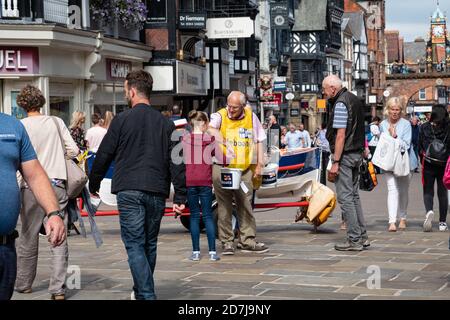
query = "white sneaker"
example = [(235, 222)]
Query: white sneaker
[(428, 224), (133, 296), (443, 226)]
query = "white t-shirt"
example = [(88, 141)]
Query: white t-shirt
[(94, 137)]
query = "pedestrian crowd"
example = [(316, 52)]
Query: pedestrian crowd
[(144, 145)]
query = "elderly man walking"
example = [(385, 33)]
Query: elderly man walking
[(345, 133), (240, 129)]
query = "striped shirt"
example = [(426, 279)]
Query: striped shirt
[(340, 116)]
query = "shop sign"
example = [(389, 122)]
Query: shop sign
[(157, 11), (423, 109), (279, 12), (19, 60), (226, 28), (192, 21), (279, 86), (294, 113), (117, 69), (191, 79), (321, 105)]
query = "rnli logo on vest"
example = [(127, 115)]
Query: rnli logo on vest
[(245, 134)]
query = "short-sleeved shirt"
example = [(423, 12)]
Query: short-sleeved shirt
[(15, 148), (294, 139), (340, 116)]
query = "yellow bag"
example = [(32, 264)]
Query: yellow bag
[(321, 204), (372, 172)]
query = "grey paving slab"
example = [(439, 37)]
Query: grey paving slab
[(301, 264)]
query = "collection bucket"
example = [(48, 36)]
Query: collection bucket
[(230, 178)]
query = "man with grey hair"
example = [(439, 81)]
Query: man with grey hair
[(345, 134), (242, 135)]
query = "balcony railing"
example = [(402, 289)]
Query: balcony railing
[(10, 9)]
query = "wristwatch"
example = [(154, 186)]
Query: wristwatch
[(337, 161), (59, 213)]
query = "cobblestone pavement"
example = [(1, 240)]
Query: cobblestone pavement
[(301, 264)]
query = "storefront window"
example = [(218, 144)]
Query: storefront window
[(62, 107), (16, 111)]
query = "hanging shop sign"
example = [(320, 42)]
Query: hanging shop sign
[(157, 11), (192, 21), (279, 12), (279, 86), (225, 28)]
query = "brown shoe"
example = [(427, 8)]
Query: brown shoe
[(59, 296), (402, 224), (392, 227), (25, 291)]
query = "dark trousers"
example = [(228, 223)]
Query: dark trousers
[(323, 173), (8, 270), (140, 221), (201, 196), (432, 173)]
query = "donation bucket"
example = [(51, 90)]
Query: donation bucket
[(230, 178), (269, 175)]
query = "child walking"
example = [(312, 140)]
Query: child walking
[(198, 150)]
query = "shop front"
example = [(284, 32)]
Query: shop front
[(75, 70), (180, 83)]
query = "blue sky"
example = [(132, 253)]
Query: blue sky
[(412, 17)]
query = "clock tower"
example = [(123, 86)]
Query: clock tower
[(438, 48)]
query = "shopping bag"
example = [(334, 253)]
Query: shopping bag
[(401, 167), (386, 152), (365, 178)]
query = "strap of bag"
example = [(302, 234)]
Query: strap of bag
[(60, 135)]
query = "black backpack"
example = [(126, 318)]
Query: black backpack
[(437, 152)]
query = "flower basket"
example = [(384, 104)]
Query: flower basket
[(132, 14)]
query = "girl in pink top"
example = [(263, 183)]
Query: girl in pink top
[(198, 150)]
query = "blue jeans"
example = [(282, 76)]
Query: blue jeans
[(8, 270), (201, 196), (140, 220)]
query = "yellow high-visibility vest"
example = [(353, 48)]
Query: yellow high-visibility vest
[(238, 134)]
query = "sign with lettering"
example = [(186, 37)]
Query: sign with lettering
[(157, 11), (192, 21), (226, 28), (279, 12), (191, 79), (117, 69), (19, 60)]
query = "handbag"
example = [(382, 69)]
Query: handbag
[(76, 177), (401, 166), (386, 152), (446, 178), (366, 182)]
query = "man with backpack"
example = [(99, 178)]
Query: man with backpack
[(434, 149)]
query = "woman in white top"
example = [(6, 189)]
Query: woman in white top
[(95, 135), (45, 138), (398, 187)]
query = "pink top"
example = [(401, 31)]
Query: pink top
[(259, 134), (198, 151)]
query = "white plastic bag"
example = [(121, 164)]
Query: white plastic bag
[(401, 168), (386, 152)]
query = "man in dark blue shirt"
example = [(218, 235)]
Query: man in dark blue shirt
[(17, 154)]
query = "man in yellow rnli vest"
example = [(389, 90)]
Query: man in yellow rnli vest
[(237, 127)]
